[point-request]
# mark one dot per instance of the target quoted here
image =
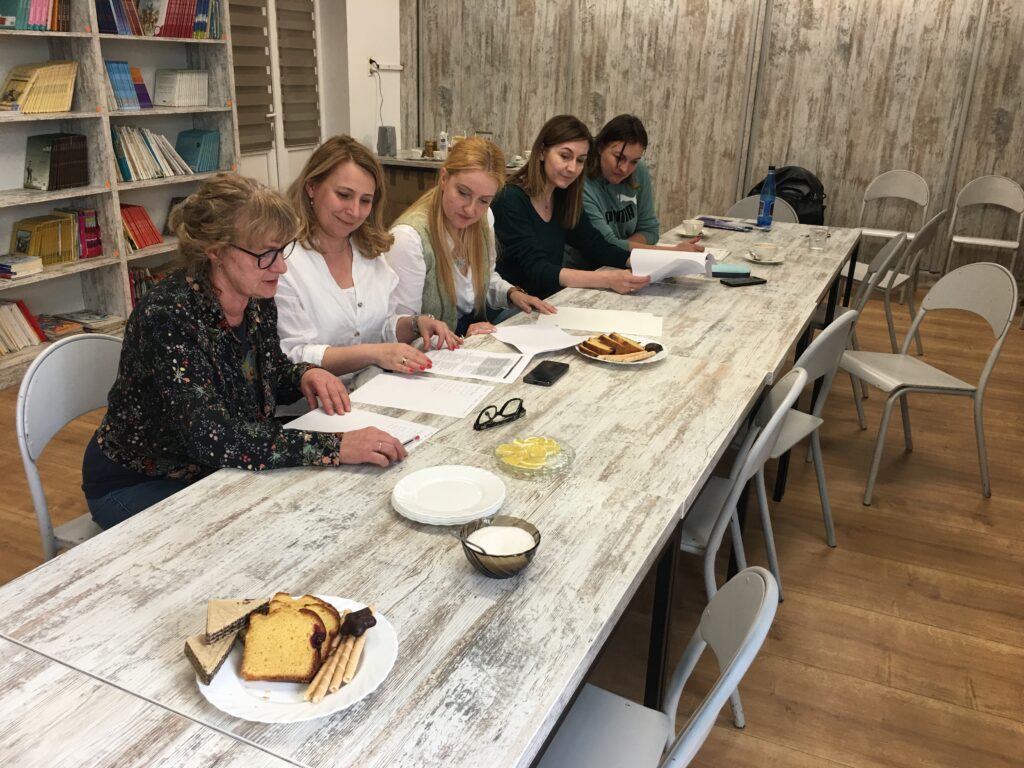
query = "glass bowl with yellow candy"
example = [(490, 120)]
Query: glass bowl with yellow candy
[(533, 456)]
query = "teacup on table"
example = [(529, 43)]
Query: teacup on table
[(766, 252), (691, 227)]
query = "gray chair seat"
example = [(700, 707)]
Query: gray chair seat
[(795, 428), (986, 242), (886, 371), (701, 517)]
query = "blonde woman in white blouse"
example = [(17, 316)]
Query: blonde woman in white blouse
[(336, 305), (444, 249)]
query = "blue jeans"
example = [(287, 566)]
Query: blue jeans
[(117, 506)]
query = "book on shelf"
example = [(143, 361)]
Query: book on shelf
[(56, 161), (90, 237), (49, 15), (142, 280), (144, 154), (139, 230), (200, 149), (57, 328), (141, 93), (182, 88), (118, 17), (122, 86), (93, 320), (52, 238), (19, 328), (16, 265), (37, 88)]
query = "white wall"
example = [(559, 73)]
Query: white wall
[(371, 32), (332, 28)]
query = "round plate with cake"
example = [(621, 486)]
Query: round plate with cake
[(619, 349), (262, 701)]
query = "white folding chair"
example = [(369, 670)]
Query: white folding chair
[(987, 290), (987, 190), (821, 361), (899, 185), (747, 209), (68, 379), (603, 730)]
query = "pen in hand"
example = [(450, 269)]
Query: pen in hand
[(410, 441)]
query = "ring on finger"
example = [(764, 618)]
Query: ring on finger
[(380, 444), (403, 361)]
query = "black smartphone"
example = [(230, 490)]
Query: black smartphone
[(546, 373), (735, 282)]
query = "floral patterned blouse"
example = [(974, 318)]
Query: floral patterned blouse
[(182, 407)]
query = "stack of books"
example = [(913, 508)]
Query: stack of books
[(141, 281), (93, 320), (51, 238), (200, 149), (34, 88), (56, 161), (50, 15), (13, 266), (122, 87), (138, 227), (88, 237), (57, 327), (144, 154), (182, 88), (19, 328), (198, 19), (118, 17)]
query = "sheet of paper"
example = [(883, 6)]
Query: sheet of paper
[(535, 338), (661, 264), (425, 394), (473, 364), (604, 321), (405, 431)]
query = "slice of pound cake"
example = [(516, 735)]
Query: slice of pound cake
[(283, 646), (328, 614)]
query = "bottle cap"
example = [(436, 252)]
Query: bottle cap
[(771, 167)]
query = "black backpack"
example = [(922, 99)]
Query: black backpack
[(802, 190)]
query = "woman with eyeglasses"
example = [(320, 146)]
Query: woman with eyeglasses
[(540, 211), (444, 250), (337, 302), (618, 196), (201, 367)]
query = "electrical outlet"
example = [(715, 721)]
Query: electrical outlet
[(374, 67)]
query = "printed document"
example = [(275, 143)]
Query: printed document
[(425, 394), (402, 430), (604, 321), (473, 364)]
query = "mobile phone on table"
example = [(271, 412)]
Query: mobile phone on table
[(546, 373), (736, 282)]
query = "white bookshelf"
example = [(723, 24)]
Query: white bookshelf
[(102, 282)]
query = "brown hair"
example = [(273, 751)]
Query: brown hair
[(224, 209), (474, 154), (371, 238), (531, 177)]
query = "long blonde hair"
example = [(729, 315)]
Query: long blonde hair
[(227, 208), (531, 177), (372, 238), (473, 154)]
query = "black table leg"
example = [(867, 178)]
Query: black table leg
[(661, 619), (849, 275)]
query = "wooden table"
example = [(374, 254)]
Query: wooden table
[(51, 715), (485, 668)]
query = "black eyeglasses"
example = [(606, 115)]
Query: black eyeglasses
[(492, 416), (266, 259)]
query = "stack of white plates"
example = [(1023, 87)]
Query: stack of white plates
[(448, 495)]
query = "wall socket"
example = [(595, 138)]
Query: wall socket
[(375, 67)]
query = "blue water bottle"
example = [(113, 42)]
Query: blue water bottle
[(766, 207)]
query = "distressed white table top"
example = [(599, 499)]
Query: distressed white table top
[(51, 715), (484, 667)]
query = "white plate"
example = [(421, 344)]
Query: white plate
[(451, 494), (750, 257), (658, 356), (266, 702)]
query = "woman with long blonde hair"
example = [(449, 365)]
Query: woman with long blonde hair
[(444, 250), (540, 211), (336, 302)]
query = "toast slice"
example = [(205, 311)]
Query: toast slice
[(623, 344), (224, 617), (207, 658), (327, 613), (283, 646), (595, 347)]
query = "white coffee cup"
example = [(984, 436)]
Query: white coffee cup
[(691, 227), (765, 252)]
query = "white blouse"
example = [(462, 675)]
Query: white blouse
[(314, 312), (406, 259)]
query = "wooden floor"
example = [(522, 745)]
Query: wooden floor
[(904, 646)]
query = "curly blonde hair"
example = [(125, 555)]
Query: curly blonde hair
[(473, 154), (372, 238), (227, 208)]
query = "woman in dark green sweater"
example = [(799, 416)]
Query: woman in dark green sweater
[(540, 211)]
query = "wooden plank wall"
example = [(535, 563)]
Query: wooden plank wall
[(847, 88)]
